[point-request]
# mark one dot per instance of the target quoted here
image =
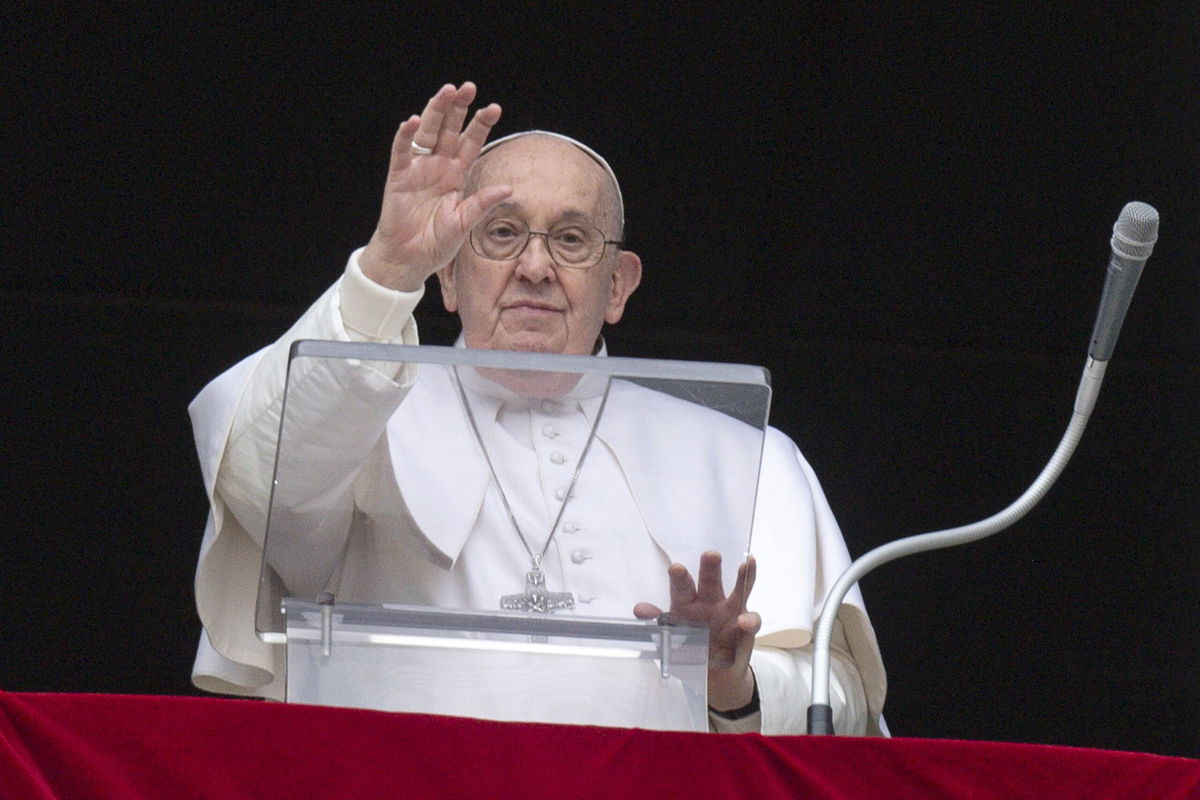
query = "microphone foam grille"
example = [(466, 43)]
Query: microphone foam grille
[(1136, 230)]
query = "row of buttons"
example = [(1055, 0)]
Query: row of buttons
[(580, 556)]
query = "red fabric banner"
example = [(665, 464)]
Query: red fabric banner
[(104, 746)]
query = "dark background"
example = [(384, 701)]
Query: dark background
[(903, 214)]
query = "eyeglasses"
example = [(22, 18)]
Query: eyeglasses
[(574, 245)]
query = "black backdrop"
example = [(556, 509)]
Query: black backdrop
[(904, 214)]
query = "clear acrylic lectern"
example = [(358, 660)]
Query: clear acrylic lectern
[(461, 532)]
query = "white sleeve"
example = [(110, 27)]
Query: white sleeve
[(801, 553), (785, 691), (236, 422), (343, 408), (784, 682)]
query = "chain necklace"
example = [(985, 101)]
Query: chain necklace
[(536, 597)]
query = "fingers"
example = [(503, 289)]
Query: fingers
[(452, 124), (477, 132), (435, 113), (747, 573), (710, 587), (683, 588), (441, 123), (402, 143), (705, 598)]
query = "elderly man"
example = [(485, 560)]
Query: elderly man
[(524, 236)]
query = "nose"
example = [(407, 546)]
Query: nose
[(535, 263)]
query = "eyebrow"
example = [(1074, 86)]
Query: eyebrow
[(568, 214)]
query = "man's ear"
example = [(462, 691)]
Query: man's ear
[(445, 277), (625, 278)]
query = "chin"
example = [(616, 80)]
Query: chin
[(533, 343), (535, 347)]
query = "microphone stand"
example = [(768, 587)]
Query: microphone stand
[(1134, 235), (820, 713)]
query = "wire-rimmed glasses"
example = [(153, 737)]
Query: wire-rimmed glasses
[(572, 244)]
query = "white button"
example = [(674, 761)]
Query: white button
[(558, 458), (585, 598), (560, 493), (571, 527), (550, 432), (550, 406), (580, 556)]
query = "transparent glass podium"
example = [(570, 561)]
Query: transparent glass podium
[(466, 532)]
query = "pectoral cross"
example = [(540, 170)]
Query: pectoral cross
[(535, 598)]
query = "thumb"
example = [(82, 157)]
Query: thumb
[(647, 611)]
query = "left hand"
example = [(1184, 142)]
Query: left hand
[(731, 627)]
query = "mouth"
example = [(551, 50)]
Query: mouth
[(532, 307)]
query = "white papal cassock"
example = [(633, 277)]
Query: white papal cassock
[(404, 494)]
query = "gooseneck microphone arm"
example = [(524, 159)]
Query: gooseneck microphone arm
[(820, 713), (1134, 235)]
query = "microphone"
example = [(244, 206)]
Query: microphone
[(1134, 234)]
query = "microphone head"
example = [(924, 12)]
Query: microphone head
[(1133, 238), (1135, 231)]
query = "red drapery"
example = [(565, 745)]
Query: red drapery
[(105, 746)]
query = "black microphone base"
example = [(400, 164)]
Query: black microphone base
[(820, 720)]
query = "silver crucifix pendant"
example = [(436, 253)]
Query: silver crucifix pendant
[(535, 597)]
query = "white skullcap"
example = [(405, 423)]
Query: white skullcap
[(599, 159)]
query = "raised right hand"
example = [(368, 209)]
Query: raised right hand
[(426, 215)]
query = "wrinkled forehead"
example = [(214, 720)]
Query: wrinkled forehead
[(592, 154)]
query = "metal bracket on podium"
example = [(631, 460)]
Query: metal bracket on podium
[(326, 600), (665, 623), (483, 663)]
